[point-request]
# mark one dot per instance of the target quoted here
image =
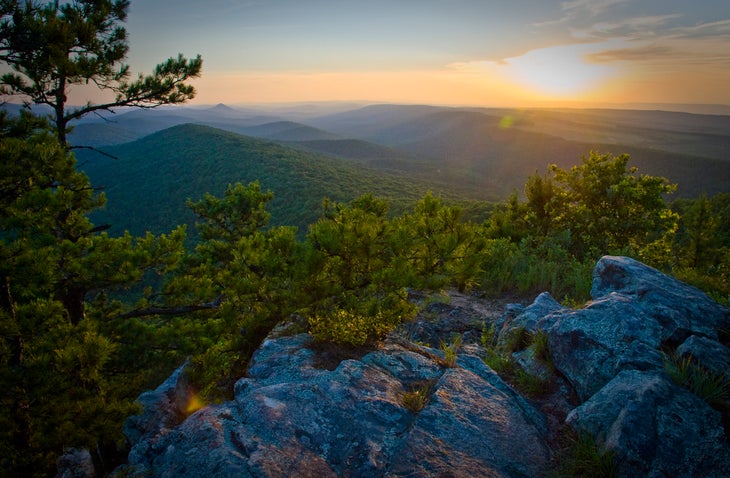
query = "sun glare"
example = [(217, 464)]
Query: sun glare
[(559, 72)]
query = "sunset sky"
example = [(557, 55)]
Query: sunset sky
[(465, 52)]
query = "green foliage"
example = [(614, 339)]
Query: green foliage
[(689, 373), (59, 356), (488, 338), (700, 251), (595, 208), (584, 458), (415, 399), (451, 350), (69, 369), (499, 362), (441, 249), (531, 385), (539, 344), (147, 186), (357, 276), (361, 261), (518, 339), (247, 270), (608, 207)]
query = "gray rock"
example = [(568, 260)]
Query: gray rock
[(76, 463), (655, 428), (527, 318), (290, 418), (470, 428), (202, 445), (590, 346), (709, 353), (681, 310), (162, 408)]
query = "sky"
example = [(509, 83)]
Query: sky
[(513, 53)]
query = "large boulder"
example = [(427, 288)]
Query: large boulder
[(292, 418), (681, 310), (636, 313), (709, 353), (655, 428), (161, 409), (590, 346), (614, 353)]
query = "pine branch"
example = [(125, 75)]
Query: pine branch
[(185, 309), (95, 150)]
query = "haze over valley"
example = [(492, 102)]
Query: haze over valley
[(398, 151)]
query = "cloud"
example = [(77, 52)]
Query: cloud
[(640, 53), (592, 7), (635, 26), (719, 28), (578, 10)]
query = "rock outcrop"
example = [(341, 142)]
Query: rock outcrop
[(402, 410), (292, 418)]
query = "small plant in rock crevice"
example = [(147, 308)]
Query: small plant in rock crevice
[(451, 350), (416, 398), (500, 359), (488, 336), (684, 370), (583, 457), (517, 339), (539, 343)]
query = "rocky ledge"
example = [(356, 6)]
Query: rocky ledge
[(408, 408)]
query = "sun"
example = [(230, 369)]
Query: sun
[(560, 72)]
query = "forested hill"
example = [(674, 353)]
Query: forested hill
[(484, 153), (148, 184), (501, 147)]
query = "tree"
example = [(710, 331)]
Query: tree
[(53, 358), (64, 371), (51, 47), (247, 270), (357, 275), (441, 249), (601, 205)]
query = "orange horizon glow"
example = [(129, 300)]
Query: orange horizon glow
[(554, 76)]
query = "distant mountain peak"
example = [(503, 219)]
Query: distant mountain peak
[(223, 108)]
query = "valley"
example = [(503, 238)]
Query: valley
[(465, 155)]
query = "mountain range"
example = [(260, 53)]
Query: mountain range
[(169, 154)]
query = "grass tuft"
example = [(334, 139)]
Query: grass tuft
[(689, 373), (451, 350)]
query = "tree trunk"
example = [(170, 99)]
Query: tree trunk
[(15, 341), (60, 111), (74, 303)]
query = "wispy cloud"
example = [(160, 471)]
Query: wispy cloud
[(640, 53), (719, 28), (592, 7), (579, 11), (644, 26)]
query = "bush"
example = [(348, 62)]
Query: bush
[(357, 321)]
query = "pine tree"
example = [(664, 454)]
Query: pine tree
[(247, 271), (52, 47), (69, 371)]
